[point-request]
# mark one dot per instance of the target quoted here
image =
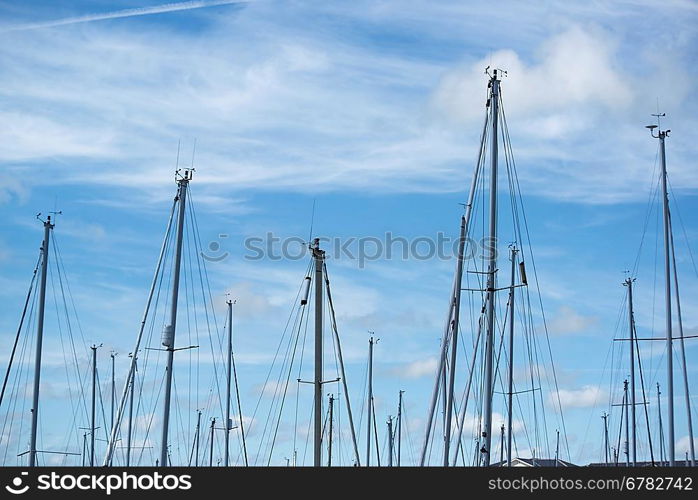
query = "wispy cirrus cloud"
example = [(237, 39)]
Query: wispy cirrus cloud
[(119, 14), (270, 104)]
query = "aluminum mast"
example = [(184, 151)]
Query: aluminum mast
[(450, 394), (168, 340), (491, 276), (370, 400), (39, 340), (661, 135), (319, 257), (94, 402), (399, 427), (129, 434), (228, 426), (629, 283), (510, 392)]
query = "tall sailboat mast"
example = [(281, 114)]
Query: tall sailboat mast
[(631, 327), (369, 403), (212, 438), (605, 438), (93, 421), (661, 135), (237, 392), (319, 258), (399, 427), (113, 391), (197, 438), (627, 423), (229, 358), (391, 440), (129, 435), (661, 426), (48, 226), (317, 272), (168, 337), (510, 391), (450, 393), (491, 276), (329, 432)]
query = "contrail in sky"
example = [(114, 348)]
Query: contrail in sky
[(138, 11)]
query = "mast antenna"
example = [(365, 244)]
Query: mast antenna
[(179, 143), (312, 221), (496, 70), (658, 125), (193, 154), (184, 174), (38, 216)]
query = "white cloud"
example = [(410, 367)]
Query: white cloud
[(586, 397), (549, 88), (472, 422), (29, 136), (568, 321), (250, 303), (683, 445), (12, 189), (417, 369)]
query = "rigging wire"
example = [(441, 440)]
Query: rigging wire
[(526, 231), (19, 330)]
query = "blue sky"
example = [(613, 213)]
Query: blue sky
[(372, 110)]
